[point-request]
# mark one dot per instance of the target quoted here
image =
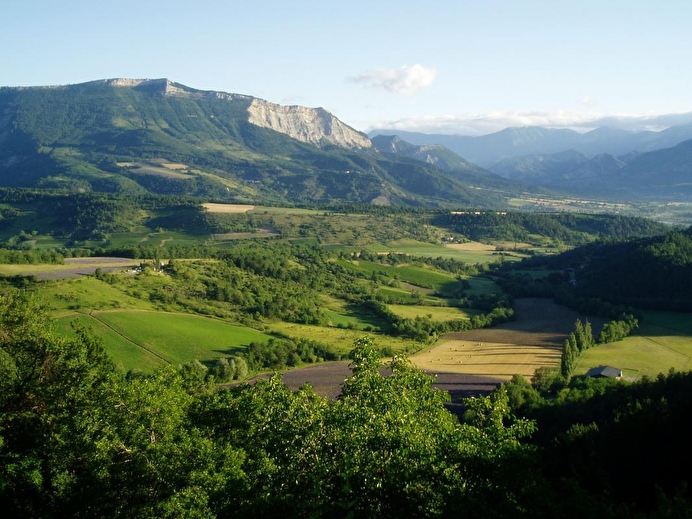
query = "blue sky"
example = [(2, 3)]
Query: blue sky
[(452, 66)]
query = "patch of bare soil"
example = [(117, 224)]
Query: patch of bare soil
[(228, 208), (86, 266), (326, 378)]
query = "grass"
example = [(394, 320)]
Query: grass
[(414, 275), (144, 236), (285, 210), (341, 315), (663, 341), (180, 338), (87, 293), (430, 250), (125, 354), (341, 339), (405, 296), (481, 285)]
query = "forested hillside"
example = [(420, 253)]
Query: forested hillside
[(653, 273), (571, 229)]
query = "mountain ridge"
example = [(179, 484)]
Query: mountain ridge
[(114, 135), (487, 150)]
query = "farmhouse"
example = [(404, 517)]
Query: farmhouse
[(604, 372)]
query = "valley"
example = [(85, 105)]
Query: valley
[(409, 278), (212, 305)]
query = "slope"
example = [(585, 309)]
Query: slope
[(136, 136)]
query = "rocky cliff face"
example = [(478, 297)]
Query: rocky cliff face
[(312, 125)]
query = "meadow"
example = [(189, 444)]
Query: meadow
[(419, 276), (472, 252), (662, 341), (126, 354), (173, 338)]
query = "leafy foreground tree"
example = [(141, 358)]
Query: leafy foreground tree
[(386, 448), (79, 439)]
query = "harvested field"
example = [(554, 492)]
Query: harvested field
[(492, 359), (533, 340), (513, 245), (475, 362), (163, 170), (174, 165), (228, 208)]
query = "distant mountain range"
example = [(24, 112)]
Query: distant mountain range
[(135, 136), (488, 150), (606, 162)]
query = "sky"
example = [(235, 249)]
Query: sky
[(455, 66)]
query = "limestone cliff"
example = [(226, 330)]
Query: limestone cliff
[(312, 125)]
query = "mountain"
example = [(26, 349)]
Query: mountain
[(593, 170), (663, 173), (539, 169), (138, 135), (488, 150), (567, 169), (444, 159)]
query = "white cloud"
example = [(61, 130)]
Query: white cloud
[(406, 80), (481, 124)]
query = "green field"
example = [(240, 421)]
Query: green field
[(419, 276), (177, 338), (144, 237), (125, 354), (429, 250), (482, 286), (341, 339), (410, 296), (87, 293), (285, 210), (663, 341)]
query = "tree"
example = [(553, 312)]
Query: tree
[(52, 391), (80, 440), (570, 353)]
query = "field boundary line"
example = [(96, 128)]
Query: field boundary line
[(666, 346), (104, 323)]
